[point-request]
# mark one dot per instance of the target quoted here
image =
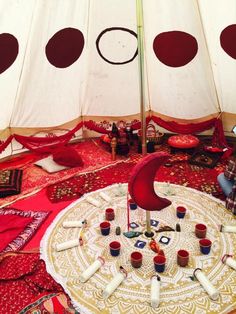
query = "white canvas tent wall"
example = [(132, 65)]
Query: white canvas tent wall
[(34, 93)]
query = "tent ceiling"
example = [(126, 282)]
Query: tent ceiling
[(60, 60)]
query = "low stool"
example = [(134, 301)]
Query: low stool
[(181, 142)]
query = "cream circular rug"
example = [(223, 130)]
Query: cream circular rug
[(179, 293)]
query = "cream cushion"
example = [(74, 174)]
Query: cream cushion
[(49, 165)]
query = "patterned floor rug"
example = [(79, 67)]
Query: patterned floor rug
[(17, 227), (179, 291), (35, 178), (26, 287), (178, 171), (64, 187)]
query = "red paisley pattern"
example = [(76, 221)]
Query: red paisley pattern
[(23, 279)]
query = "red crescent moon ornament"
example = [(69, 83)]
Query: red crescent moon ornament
[(141, 183)]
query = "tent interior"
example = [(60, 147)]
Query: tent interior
[(76, 74)]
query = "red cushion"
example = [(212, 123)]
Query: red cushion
[(183, 141), (68, 157)]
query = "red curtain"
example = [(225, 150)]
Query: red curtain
[(180, 128), (3, 145), (91, 125), (219, 140), (46, 144), (185, 128)]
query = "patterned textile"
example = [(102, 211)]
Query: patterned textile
[(78, 185), (20, 161), (230, 174), (179, 292), (17, 227), (230, 170), (66, 190), (179, 172), (51, 303), (10, 182), (93, 156), (23, 280)]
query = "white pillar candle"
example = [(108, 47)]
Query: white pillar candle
[(230, 262), (206, 284), (91, 270), (155, 291), (67, 245), (92, 201), (111, 287), (72, 224), (229, 229), (105, 197)]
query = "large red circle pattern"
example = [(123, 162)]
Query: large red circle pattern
[(175, 48), (8, 51), (228, 40), (65, 47)]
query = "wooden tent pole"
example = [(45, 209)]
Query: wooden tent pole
[(139, 15)]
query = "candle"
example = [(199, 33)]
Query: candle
[(67, 245), (155, 291), (91, 269), (206, 284), (228, 229), (105, 197), (228, 260), (73, 224), (92, 201), (116, 281)]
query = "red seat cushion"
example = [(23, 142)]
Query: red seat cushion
[(183, 141), (68, 157)]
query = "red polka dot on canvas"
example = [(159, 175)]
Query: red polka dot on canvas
[(8, 51), (65, 47), (228, 40), (175, 48)]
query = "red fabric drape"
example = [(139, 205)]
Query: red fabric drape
[(185, 128), (180, 128), (46, 144), (219, 140), (3, 145), (137, 125), (91, 125)]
